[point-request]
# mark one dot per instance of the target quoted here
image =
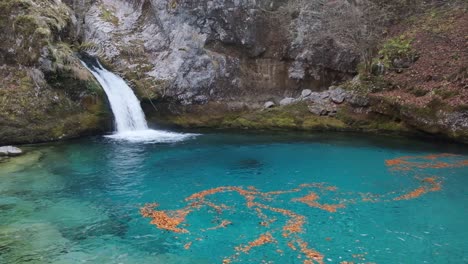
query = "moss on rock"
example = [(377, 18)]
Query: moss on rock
[(291, 117), (45, 92)]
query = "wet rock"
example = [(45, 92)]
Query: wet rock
[(269, 104), (287, 101), (338, 95), (10, 151)]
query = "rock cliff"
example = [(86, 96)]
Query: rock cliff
[(45, 93), (241, 52), (223, 63)]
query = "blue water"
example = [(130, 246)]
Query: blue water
[(79, 201)]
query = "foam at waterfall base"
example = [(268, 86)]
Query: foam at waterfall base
[(151, 136)]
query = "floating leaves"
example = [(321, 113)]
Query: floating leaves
[(264, 206), (311, 200)]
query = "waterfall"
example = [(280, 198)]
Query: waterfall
[(124, 104), (130, 121)]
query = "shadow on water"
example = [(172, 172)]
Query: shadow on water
[(410, 143), (246, 167), (114, 226)]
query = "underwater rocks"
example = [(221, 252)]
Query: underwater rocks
[(10, 151), (19, 163), (36, 242)]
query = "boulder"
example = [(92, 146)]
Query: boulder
[(287, 101), (306, 92), (269, 104), (324, 94), (10, 151), (338, 95), (315, 97)]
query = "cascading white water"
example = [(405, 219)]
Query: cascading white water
[(125, 105), (130, 121)]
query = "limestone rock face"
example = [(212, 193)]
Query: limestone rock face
[(249, 51)]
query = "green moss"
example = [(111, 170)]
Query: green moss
[(397, 48), (94, 88), (368, 84), (43, 33), (70, 102), (313, 123), (291, 117), (370, 122), (26, 24), (173, 4), (108, 16), (25, 82), (88, 121), (58, 131)]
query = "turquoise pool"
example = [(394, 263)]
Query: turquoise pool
[(236, 198)]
